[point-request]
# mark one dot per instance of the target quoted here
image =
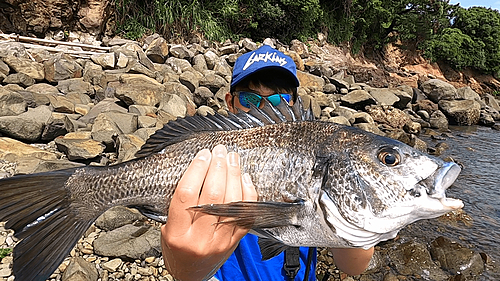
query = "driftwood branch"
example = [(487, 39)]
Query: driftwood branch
[(52, 42)]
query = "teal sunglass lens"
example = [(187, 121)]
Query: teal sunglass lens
[(249, 98), (276, 98)]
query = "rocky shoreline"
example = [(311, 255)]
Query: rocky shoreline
[(68, 108)]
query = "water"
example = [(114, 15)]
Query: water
[(478, 186)]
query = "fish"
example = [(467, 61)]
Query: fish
[(319, 184)]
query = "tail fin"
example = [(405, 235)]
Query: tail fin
[(38, 208)]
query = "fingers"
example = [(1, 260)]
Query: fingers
[(187, 192), (248, 194), (233, 178)]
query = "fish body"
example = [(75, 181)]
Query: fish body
[(319, 184)]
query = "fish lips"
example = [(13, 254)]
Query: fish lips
[(437, 183)]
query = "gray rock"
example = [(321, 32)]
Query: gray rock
[(211, 59), (339, 83), (190, 80), (103, 106), (456, 258), (75, 85), (79, 149), (4, 68), (437, 90), (491, 101), (117, 217), (27, 165), (105, 130), (11, 103), (80, 270), (129, 242), (93, 73), (438, 120), (61, 67), (173, 105), (346, 112), (146, 122), (357, 99), (145, 133), (58, 125), (142, 110), (383, 96), (178, 65), (199, 63), (202, 95), (181, 52), (467, 93), (24, 129), (461, 112), (248, 44), (27, 66), (369, 127), (222, 68), (362, 117), (393, 117), (19, 79), (213, 81), (340, 120)]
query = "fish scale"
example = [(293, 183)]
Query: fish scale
[(319, 184)]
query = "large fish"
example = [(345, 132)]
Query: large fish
[(319, 184)]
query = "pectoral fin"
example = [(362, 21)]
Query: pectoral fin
[(253, 214), (270, 248)]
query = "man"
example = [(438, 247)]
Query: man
[(194, 247)]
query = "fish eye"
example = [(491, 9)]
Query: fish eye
[(389, 157)]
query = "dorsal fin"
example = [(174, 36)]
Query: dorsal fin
[(182, 129)]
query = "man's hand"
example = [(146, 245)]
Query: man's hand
[(194, 245)]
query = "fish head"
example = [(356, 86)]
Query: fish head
[(379, 185)]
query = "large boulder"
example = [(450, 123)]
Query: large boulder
[(437, 90), (461, 112)]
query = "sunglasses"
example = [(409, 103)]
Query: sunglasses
[(247, 98)]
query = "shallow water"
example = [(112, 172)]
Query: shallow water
[(478, 186)]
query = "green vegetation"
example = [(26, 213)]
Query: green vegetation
[(4, 252), (444, 32)]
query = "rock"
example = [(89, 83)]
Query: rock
[(106, 60), (11, 103), (173, 105), (437, 90), (128, 145), (202, 95), (199, 63), (389, 115), (75, 85), (181, 52), (373, 128), (101, 107), (310, 80), (138, 89), (79, 149), (61, 67), (61, 103), (438, 120), (24, 129), (210, 59), (112, 265), (80, 270), (178, 65), (413, 258), (213, 81), (425, 105), (105, 130), (362, 117), (346, 112), (157, 51), (11, 148), (357, 99), (190, 80), (4, 68), (461, 112), (146, 122), (456, 258), (340, 120), (129, 242), (142, 110), (43, 88), (117, 217), (30, 165), (467, 93), (58, 125), (93, 73), (19, 79), (383, 96), (486, 119), (491, 101), (27, 66)]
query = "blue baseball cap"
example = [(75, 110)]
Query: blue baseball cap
[(262, 58)]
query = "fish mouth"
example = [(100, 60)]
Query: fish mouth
[(439, 181)]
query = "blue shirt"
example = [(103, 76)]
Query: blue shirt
[(246, 264)]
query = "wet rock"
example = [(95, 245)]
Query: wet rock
[(413, 258), (456, 258), (461, 112), (80, 270), (129, 242), (437, 90), (438, 120), (117, 217)]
